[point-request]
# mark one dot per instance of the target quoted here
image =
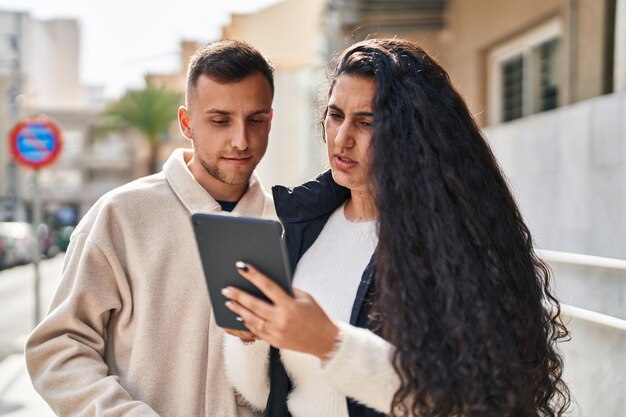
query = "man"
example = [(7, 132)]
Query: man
[(130, 331)]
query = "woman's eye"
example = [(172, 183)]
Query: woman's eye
[(335, 115)]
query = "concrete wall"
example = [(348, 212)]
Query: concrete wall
[(595, 360), (566, 168)]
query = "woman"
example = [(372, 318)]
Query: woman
[(466, 322)]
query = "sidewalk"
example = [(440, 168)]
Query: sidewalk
[(18, 398)]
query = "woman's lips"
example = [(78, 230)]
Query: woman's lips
[(344, 162)]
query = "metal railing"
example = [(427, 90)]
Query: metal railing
[(577, 259)]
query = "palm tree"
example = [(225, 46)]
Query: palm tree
[(149, 111)]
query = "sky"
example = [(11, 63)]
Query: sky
[(121, 40)]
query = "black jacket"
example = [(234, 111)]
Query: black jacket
[(304, 211)]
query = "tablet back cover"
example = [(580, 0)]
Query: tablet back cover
[(223, 240)]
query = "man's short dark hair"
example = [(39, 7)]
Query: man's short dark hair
[(228, 61)]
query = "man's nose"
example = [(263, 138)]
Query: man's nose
[(239, 139)]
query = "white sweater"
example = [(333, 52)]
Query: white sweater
[(330, 271)]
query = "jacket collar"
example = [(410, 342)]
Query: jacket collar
[(195, 198), (310, 200)]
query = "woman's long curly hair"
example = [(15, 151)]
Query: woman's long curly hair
[(461, 293)]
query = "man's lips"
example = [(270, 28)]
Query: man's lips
[(237, 160)]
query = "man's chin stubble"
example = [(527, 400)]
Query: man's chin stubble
[(223, 178)]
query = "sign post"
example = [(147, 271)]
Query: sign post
[(36, 142)]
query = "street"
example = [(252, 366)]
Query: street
[(17, 300), (17, 396)]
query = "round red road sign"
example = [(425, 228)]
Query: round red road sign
[(36, 141)]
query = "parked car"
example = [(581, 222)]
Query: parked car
[(18, 243), (47, 241), (3, 254), (63, 237)]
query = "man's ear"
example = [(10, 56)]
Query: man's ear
[(184, 122)]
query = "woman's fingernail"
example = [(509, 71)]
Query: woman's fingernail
[(225, 291), (242, 266), (238, 318)]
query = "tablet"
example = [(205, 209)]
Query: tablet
[(225, 239)]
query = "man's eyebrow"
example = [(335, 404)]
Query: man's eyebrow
[(261, 111), (359, 113), (217, 111), (228, 113)]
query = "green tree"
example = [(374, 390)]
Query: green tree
[(150, 111)]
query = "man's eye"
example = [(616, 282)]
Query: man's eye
[(219, 122), (257, 120), (367, 123)]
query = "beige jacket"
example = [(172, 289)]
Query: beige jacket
[(130, 331)]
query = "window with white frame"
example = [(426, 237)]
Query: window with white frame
[(524, 74)]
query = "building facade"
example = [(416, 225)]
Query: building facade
[(39, 74)]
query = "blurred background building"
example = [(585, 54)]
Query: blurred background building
[(39, 74), (546, 79)]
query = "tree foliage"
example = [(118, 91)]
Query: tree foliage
[(150, 111)]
